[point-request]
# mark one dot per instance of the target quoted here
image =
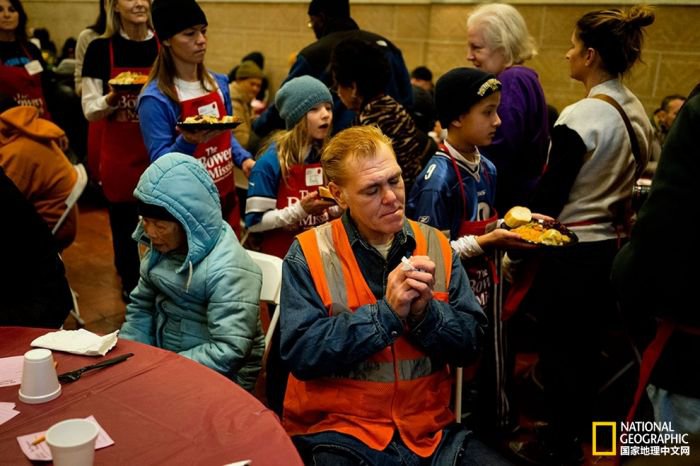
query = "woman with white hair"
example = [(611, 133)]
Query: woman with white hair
[(499, 43), (128, 44)]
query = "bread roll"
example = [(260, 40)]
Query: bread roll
[(517, 216)]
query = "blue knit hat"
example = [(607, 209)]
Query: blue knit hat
[(298, 96)]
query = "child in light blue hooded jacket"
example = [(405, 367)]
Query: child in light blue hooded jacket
[(198, 293)]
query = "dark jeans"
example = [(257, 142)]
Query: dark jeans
[(123, 218), (336, 449)]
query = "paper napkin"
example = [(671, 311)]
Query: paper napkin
[(77, 342)]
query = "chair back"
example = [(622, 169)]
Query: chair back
[(74, 195), (271, 267)]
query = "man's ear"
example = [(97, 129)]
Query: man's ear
[(338, 194)]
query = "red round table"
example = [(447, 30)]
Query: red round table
[(158, 407)]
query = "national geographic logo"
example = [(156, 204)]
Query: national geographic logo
[(638, 439)]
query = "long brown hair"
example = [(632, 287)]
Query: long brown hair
[(163, 71), (616, 35), (21, 31)]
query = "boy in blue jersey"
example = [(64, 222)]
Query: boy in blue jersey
[(456, 190), (455, 193)]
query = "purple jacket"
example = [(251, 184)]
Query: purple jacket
[(519, 149)]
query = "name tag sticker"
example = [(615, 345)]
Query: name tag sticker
[(34, 67), (314, 176), (209, 109)]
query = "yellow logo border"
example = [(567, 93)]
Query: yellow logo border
[(612, 452)]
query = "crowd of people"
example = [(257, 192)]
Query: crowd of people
[(384, 194)]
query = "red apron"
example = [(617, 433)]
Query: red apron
[(480, 269), (25, 89), (123, 154), (94, 146), (301, 180), (215, 155), (651, 356)]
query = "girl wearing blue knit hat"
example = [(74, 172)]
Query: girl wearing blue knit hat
[(283, 197)]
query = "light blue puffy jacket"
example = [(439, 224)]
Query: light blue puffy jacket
[(205, 305)]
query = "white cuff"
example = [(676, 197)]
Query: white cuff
[(467, 246)]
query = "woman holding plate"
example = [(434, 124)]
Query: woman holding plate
[(600, 145), (179, 87), (128, 45)]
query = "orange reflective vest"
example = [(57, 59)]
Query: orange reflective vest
[(397, 388)]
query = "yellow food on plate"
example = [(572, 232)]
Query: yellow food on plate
[(517, 216), (554, 237), (126, 78), (210, 119), (538, 233)]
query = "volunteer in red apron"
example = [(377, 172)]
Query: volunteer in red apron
[(456, 193), (180, 86), (283, 198), (655, 286), (129, 46), (21, 65)]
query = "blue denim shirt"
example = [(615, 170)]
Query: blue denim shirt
[(316, 345)]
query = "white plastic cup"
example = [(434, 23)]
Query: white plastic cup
[(72, 442), (39, 379)]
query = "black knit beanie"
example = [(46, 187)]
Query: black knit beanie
[(459, 89), (173, 16), (331, 8), (154, 211)]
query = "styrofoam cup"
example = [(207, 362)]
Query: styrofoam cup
[(39, 379), (72, 442)]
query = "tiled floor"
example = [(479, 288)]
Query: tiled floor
[(90, 269)]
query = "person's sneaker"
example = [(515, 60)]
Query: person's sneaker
[(537, 452)]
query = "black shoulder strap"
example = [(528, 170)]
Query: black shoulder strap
[(633, 137)]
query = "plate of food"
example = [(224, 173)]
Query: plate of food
[(208, 122), (538, 231), (128, 81), (546, 233)]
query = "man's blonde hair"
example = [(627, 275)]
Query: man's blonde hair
[(357, 142)]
